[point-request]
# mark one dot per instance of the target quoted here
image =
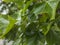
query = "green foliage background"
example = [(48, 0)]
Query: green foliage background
[(35, 22)]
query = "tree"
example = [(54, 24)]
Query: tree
[(31, 22)]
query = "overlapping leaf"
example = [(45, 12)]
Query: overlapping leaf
[(9, 27)]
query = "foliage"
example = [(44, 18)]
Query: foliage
[(31, 22)]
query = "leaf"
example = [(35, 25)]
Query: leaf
[(46, 30), (13, 36), (43, 8), (53, 37), (9, 27), (48, 7), (53, 5), (18, 2), (26, 6)]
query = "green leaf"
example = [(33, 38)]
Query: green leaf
[(43, 8), (9, 27), (18, 2), (53, 37), (26, 6), (53, 5), (47, 28)]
